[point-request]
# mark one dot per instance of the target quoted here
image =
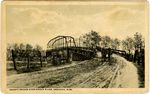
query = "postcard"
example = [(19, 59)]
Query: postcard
[(72, 47)]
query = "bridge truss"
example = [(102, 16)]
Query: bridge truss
[(63, 49)]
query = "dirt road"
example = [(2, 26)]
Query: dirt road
[(94, 73), (127, 76)]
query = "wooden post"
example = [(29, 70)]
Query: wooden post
[(13, 58)]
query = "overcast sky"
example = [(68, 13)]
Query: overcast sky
[(38, 24)]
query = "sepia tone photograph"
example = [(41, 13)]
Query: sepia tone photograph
[(75, 45)]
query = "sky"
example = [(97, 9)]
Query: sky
[(37, 24)]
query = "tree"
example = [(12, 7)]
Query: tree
[(106, 42), (28, 54), (14, 51), (22, 46), (128, 44), (22, 49), (13, 59), (9, 52), (91, 39), (138, 41), (16, 47), (115, 43), (86, 40), (38, 50)]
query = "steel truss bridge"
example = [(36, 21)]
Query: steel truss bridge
[(63, 49)]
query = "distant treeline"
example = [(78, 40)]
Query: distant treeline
[(26, 54), (129, 44), (22, 51)]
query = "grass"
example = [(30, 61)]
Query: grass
[(141, 73), (22, 67)]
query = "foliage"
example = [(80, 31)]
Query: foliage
[(128, 44), (106, 42), (115, 43), (138, 41), (91, 39), (22, 51)]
